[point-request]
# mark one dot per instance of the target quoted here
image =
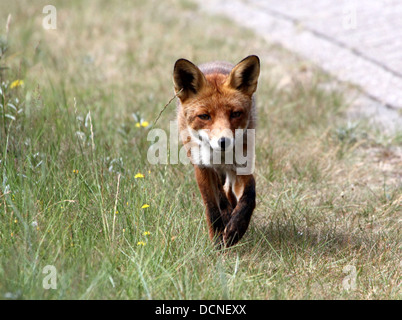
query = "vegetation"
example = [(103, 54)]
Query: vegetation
[(77, 191)]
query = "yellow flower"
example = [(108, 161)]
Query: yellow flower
[(141, 243), (16, 83), (142, 124), (116, 212), (139, 175), (146, 233), (145, 206)]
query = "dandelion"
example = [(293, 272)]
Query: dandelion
[(146, 233), (138, 125), (16, 83), (141, 243), (145, 206), (139, 175)]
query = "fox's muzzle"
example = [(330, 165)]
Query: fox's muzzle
[(224, 143)]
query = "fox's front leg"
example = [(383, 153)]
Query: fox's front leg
[(244, 188), (218, 208)]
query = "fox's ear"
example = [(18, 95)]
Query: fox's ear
[(244, 76), (188, 78)]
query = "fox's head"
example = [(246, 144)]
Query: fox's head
[(217, 102)]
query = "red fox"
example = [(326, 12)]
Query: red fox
[(216, 102)]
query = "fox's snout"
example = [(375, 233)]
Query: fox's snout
[(224, 143), (219, 140)]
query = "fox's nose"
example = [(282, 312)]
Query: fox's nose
[(224, 143)]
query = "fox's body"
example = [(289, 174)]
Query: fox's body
[(216, 111)]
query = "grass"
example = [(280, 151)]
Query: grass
[(328, 191)]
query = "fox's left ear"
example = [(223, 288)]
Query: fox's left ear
[(244, 76)]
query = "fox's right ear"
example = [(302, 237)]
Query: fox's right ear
[(188, 79)]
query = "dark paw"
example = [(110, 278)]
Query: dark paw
[(234, 231)]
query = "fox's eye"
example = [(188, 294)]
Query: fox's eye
[(236, 114), (204, 116)]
